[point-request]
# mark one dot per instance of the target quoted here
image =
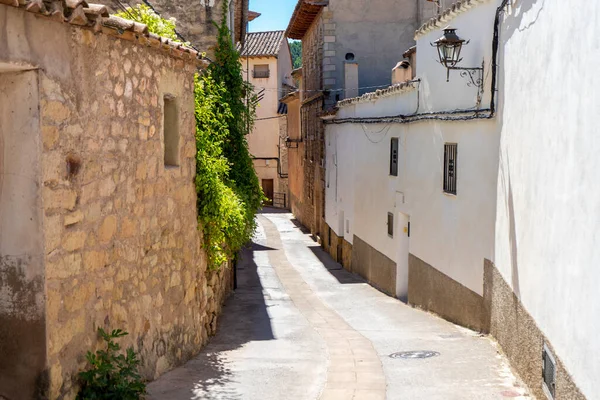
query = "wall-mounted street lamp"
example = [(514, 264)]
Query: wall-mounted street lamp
[(449, 47)]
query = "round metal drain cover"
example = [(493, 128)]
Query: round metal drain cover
[(415, 354)]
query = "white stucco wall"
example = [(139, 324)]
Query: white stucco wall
[(527, 186), (452, 233), (548, 219)]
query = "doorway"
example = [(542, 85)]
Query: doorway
[(402, 242), (267, 187)]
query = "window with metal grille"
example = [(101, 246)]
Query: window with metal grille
[(450, 150), (394, 157), (261, 71), (548, 372), (390, 224)]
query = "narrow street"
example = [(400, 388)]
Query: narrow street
[(301, 327)]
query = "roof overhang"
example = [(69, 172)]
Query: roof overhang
[(290, 97), (297, 72), (304, 15), (252, 15)]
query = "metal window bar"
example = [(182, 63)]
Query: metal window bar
[(450, 153), (394, 157), (261, 73)]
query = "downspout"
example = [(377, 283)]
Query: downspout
[(495, 46)]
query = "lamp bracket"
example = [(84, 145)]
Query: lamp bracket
[(474, 77)]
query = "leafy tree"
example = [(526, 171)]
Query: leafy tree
[(112, 375), (296, 50)]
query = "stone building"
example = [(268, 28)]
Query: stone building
[(267, 64), (196, 20), (348, 48), (98, 221)]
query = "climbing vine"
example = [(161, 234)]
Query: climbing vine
[(229, 193)]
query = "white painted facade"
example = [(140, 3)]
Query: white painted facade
[(452, 233), (527, 193), (548, 214)]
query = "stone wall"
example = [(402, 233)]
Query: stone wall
[(338, 248), (374, 266), (195, 19), (121, 245), (521, 338), (431, 290)]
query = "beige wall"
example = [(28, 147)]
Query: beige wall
[(265, 139), (22, 321), (120, 246)]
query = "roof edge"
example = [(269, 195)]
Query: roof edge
[(372, 96), (302, 4), (95, 17), (447, 15)]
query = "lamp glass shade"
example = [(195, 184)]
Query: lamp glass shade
[(449, 46)]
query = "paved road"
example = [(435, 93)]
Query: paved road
[(300, 327)]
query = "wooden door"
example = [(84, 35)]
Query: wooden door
[(267, 186)]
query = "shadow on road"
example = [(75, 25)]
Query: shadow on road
[(244, 319), (334, 268)]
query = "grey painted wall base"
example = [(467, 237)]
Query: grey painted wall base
[(433, 291), (374, 266), (520, 337)]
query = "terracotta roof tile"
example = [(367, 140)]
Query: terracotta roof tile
[(265, 44), (96, 17), (304, 15)]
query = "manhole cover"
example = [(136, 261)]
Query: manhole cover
[(415, 354)]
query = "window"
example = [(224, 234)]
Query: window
[(450, 150), (390, 224), (171, 131), (394, 157), (261, 71)]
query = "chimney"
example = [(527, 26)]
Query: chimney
[(350, 79), (402, 72)]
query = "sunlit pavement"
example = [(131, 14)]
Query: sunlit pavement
[(299, 326)]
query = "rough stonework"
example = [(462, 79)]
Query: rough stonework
[(115, 240), (196, 20)]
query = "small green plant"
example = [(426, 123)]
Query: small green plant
[(156, 24), (112, 375)]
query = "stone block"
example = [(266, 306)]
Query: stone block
[(59, 198), (107, 229), (94, 260), (73, 218), (73, 240), (64, 267)]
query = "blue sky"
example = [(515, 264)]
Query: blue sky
[(275, 14)]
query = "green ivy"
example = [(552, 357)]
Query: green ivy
[(156, 24), (220, 210), (229, 193)]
